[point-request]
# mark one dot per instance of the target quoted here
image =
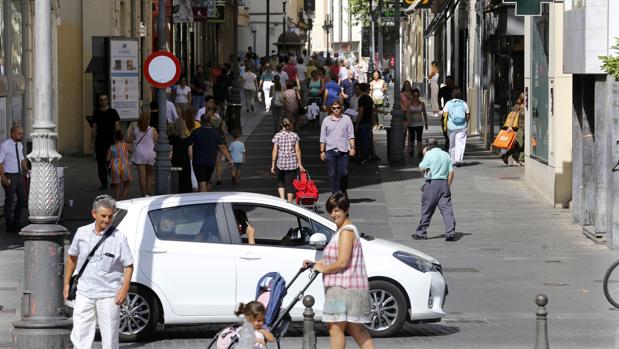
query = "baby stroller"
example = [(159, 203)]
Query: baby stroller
[(270, 291), (307, 192)]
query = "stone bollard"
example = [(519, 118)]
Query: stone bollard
[(541, 333), (309, 335)]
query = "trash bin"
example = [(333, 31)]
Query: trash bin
[(174, 175)]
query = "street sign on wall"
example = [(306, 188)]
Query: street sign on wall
[(527, 7), (421, 4), (125, 77)]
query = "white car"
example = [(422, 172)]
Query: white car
[(192, 266)]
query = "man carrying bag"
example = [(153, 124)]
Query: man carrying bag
[(106, 264)]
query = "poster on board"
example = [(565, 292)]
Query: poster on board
[(125, 78)]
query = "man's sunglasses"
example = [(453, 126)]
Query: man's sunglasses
[(336, 108)]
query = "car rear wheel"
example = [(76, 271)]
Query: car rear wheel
[(138, 315), (388, 309)]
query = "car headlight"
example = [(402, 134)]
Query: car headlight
[(416, 262)]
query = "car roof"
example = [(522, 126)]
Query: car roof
[(199, 197)]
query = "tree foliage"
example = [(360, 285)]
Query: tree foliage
[(610, 63), (360, 10)]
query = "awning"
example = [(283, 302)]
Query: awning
[(441, 17)]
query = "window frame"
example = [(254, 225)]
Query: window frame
[(236, 238), (220, 218)]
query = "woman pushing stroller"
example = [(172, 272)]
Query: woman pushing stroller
[(347, 295)]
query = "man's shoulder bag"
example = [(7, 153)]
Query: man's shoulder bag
[(75, 278)]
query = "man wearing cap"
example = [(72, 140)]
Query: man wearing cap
[(439, 174)]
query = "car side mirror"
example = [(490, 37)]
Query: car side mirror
[(318, 241)]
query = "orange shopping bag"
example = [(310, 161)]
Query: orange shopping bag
[(504, 140)]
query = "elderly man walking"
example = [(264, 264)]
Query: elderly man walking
[(104, 281), (438, 172)]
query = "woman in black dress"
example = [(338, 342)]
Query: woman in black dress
[(179, 139)]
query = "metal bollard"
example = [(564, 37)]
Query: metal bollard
[(309, 335), (541, 335), (175, 173)]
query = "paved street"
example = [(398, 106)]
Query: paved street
[(510, 247)]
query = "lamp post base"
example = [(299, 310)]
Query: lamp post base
[(42, 334), (42, 323), (396, 139)]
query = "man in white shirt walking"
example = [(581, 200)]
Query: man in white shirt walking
[(106, 280), (13, 164)]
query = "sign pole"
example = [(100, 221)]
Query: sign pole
[(162, 161)]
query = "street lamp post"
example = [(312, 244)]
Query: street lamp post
[(163, 184), (267, 49), (285, 29), (233, 110), (396, 154), (327, 27), (42, 323), (372, 49)]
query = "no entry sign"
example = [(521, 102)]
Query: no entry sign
[(162, 69)]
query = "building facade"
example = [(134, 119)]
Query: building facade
[(590, 30), (548, 98)]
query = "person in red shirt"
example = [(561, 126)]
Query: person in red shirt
[(335, 68), (291, 70)]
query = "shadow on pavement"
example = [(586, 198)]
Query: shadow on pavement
[(10, 241), (295, 331)]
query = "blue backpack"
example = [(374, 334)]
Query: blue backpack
[(456, 112)]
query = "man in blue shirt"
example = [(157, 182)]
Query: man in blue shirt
[(439, 174), (206, 143)]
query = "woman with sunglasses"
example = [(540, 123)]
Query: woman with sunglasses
[(337, 143)]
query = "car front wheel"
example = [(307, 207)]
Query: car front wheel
[(388, 309), (138, 315)]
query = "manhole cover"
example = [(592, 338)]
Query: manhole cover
[(460, 270)]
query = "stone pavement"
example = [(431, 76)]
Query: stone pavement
[(510, 247)]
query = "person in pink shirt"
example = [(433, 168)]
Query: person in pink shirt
[(347, 295)]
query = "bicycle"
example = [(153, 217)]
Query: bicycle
[(611, 284)]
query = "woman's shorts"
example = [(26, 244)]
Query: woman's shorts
[(203, 172), (346, 305), (285, 178)]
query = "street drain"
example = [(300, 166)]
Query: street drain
[(460, 270), (509, 178), (554, 262), (8, 288), (491, 249), (555, 284)]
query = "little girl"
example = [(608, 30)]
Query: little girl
[(120, 167), (254, 313)]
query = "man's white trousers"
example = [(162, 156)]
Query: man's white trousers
[(87, 313)]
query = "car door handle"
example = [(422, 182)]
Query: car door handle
[(250, 257), (157, 251)]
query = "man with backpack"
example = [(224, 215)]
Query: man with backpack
[(457, 116)]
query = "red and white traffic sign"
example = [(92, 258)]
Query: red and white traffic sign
[(162, 69)]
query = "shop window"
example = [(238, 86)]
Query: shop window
[(539, 86), (16, 42)]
